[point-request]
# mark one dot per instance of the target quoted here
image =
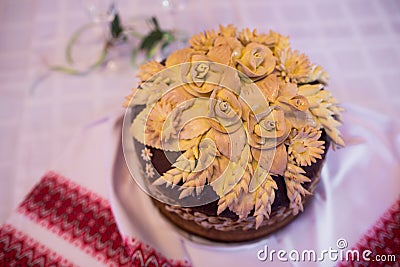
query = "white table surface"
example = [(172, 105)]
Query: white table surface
[(356, 41)]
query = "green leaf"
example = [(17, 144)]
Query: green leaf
[(155, 23), (157, 39), (151, 40), (116, 27), (134, 55), (153, 51)]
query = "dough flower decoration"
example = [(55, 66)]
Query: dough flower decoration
[(155, 122), (149, 69), (304, 146), (256, 61), (146, 154), (293, 66), (243, 110), (200, 76), (203, 41), (149, 170)]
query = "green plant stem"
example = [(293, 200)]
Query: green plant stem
[(96, 64), (72, 41), (150, 43)]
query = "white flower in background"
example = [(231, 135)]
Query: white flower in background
[(146, 154), (149, 170)]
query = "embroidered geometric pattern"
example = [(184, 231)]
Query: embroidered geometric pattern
[(85, 220), (382, 239), (18, 249), (144, 255)]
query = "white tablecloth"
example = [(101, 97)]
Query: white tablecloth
[(356, 41)]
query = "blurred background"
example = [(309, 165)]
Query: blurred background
[(356, 41)]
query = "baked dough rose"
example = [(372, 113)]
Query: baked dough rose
[(269, 130), (266, 136), (285, 95), (201, 73), (256, 61), (225, 110), (225, 120), (200, 76), (232, 43)]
